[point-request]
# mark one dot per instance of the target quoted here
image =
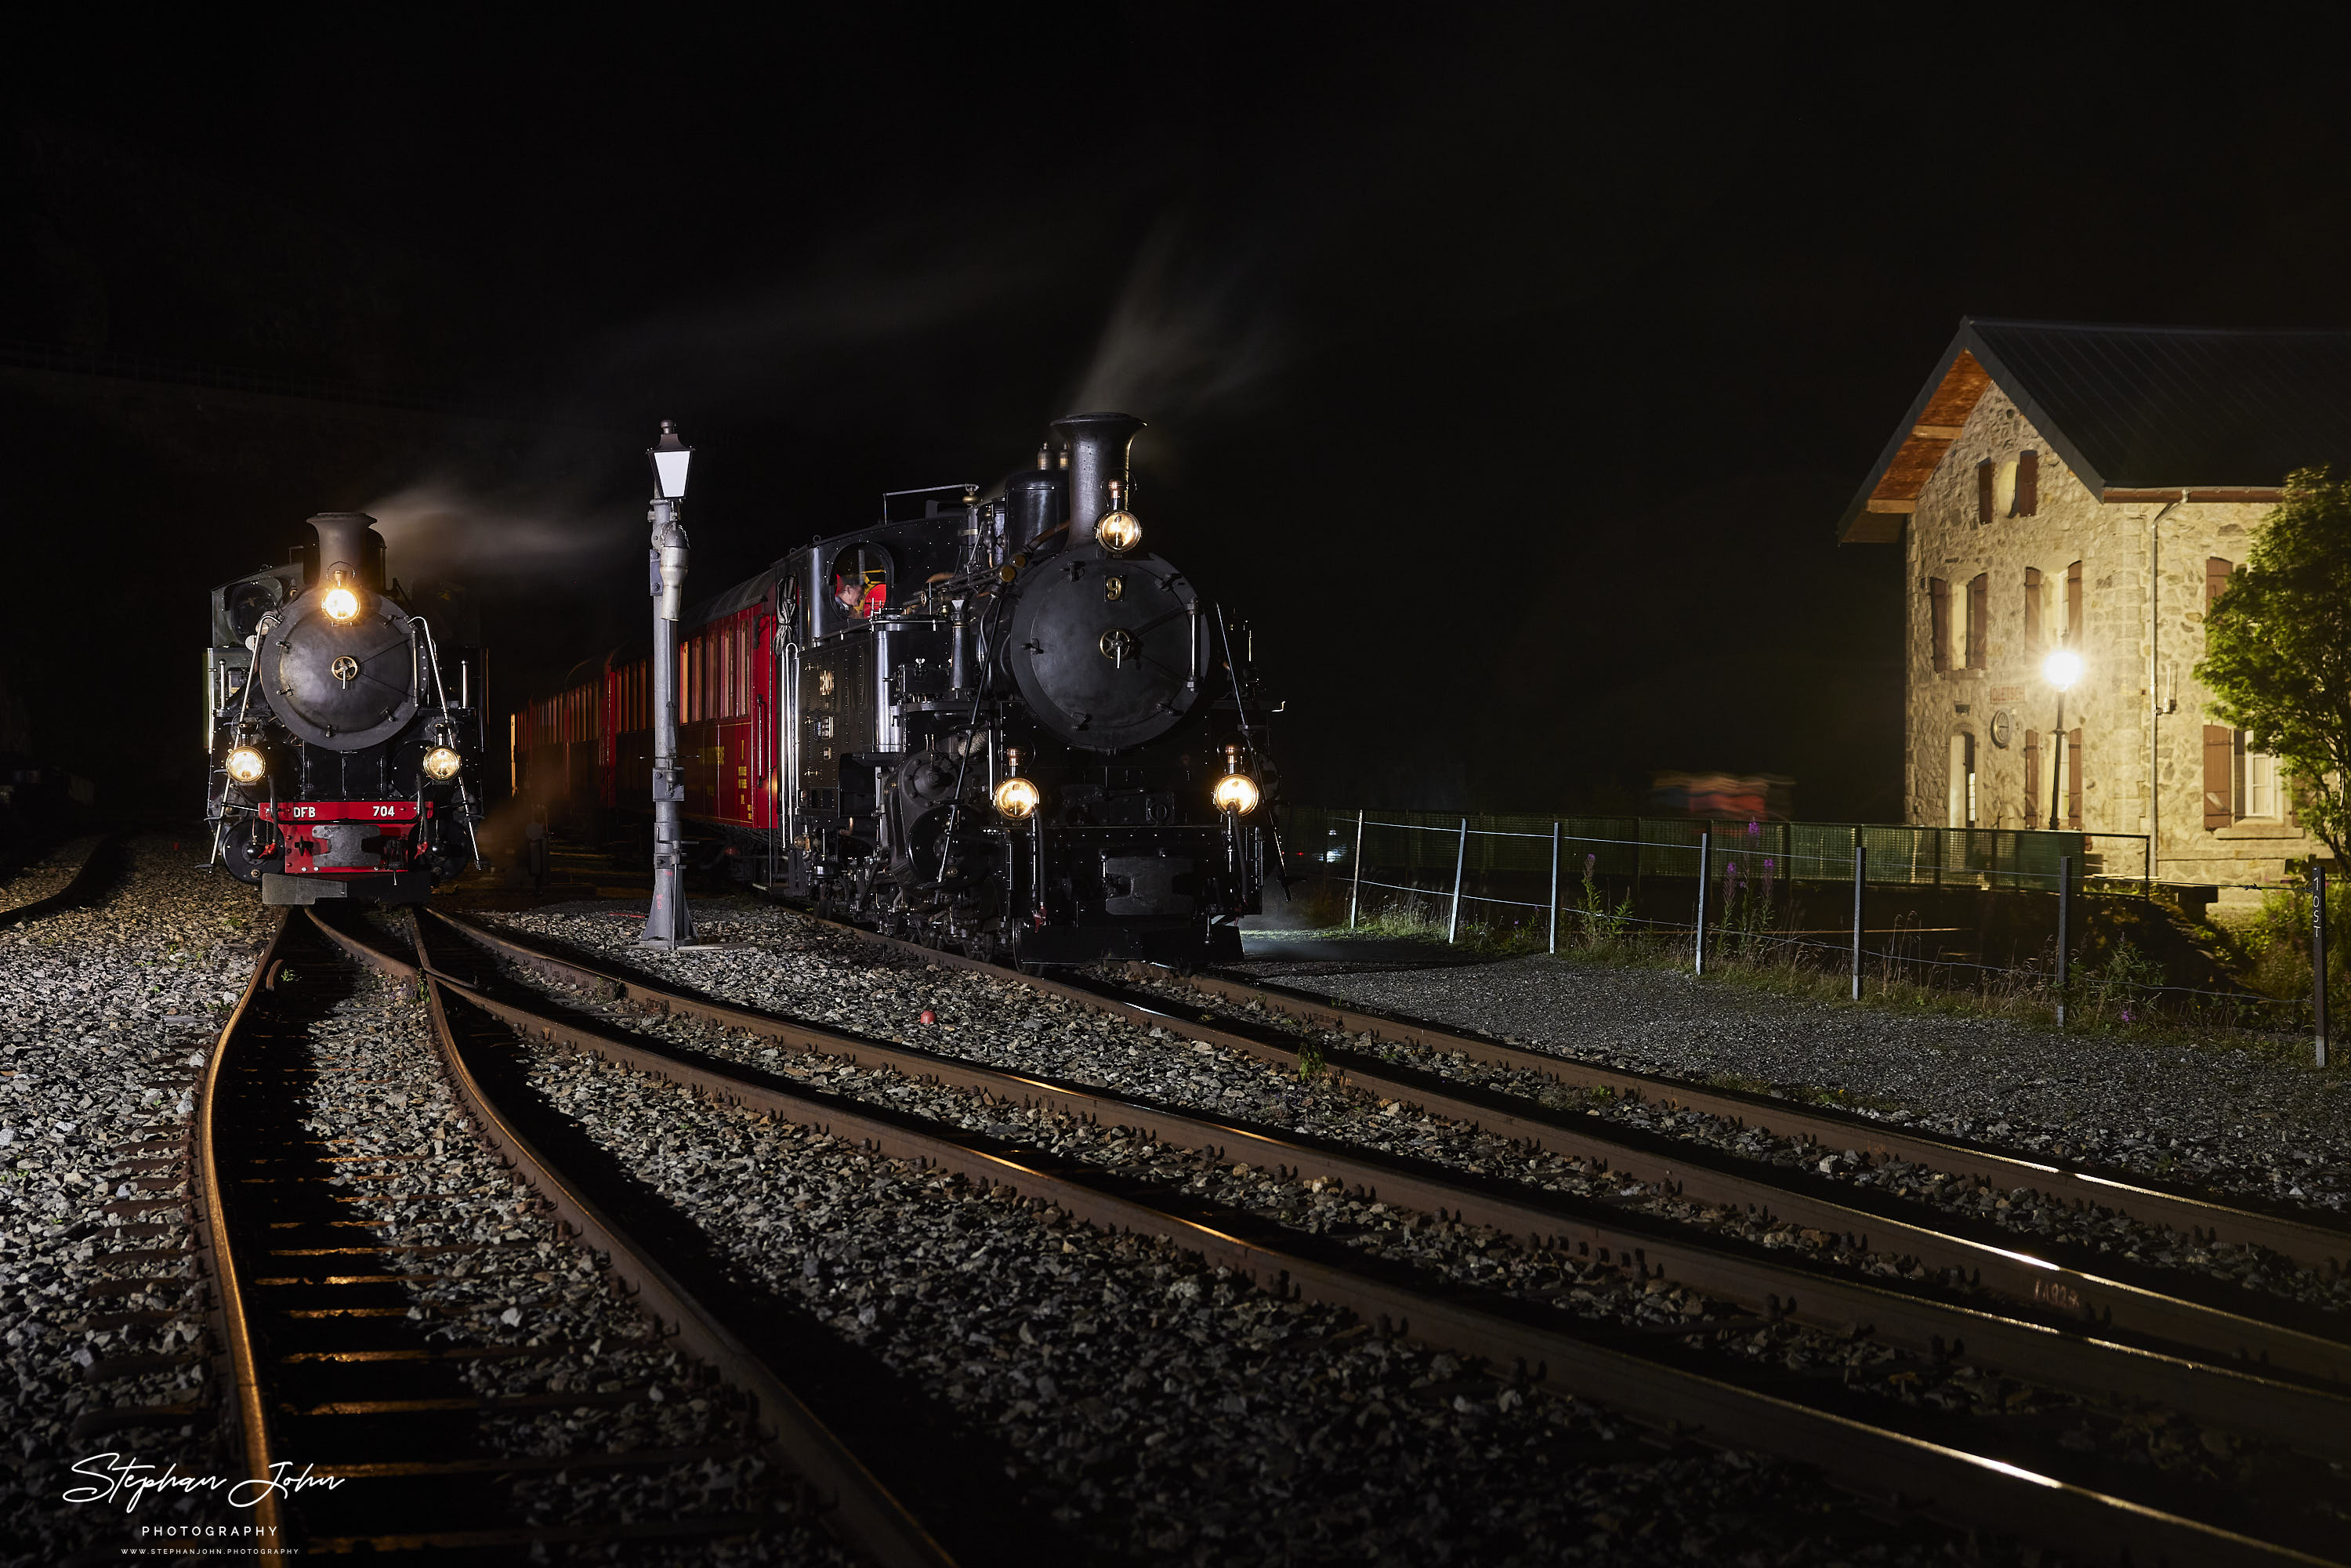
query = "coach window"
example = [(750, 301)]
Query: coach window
[(861, 581)]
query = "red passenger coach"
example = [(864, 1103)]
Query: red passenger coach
[(592, 741)]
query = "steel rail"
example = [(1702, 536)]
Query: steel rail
[(2006, 1265), (251, 1410), (858, 1508), (2312, 1243), (1960, 1487), (2315, 1420)]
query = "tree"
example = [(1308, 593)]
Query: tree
[(2277, 649)]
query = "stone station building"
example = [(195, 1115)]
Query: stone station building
[(2091, 488)]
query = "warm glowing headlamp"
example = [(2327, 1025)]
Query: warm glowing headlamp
[(1118, 532), (245, 764), (1235, 792), (442, 762), (339, 603), (1017, 799)]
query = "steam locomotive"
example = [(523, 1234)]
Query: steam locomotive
[(992, 724), (342, 737)]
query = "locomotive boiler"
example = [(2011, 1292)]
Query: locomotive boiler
[(996, 723), (341, 737)]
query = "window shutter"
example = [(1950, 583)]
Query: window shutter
[(1978, 620), (2073, 604), (2074, 780), (2033, 608), (1983, 491), (2028, 482), (2032, 780), (2219, 775), (1939, 619), (2216, 578)]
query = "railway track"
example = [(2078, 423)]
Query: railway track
[(2145, 1305), (335, 1374), (1542, 1345), (2309, 1243)]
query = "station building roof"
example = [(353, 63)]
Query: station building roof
[(2137, 412)]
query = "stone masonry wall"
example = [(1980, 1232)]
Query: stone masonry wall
[(2110, 705)]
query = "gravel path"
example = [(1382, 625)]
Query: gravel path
[(105, 1015), (2159, 1105)]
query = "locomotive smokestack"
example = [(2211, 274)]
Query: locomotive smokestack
[(1098, 444), (347, 539)]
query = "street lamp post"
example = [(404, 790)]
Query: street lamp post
[(668, 925), (2061, 669)]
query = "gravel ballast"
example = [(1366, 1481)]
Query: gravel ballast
[(106, 1017), (1167, 1412), (790, 963), (2156, 1103), (774, 960)]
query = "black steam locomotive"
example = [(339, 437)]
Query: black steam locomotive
[(341, 738), (998, 724)]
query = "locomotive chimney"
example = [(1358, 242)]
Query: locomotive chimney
[(347, 539), (1098, 444), (1033, 500)]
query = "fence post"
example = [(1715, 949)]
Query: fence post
[(1460, 859), (1860, 875), (1705, 873), (2318, 957), (1355, 897), (1554, 889), (2065, 917)]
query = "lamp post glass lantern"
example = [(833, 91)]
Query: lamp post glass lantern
[(668, 924), (2061, 669)]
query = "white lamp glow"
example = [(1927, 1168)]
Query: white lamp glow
[(670, 458), (2062, 669)]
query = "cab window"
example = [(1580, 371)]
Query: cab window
[(860, 582)]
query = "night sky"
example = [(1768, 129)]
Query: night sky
[(1510, 370)]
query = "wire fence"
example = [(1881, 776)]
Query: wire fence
[(1761, 893)]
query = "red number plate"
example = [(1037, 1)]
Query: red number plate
[(339, 811)]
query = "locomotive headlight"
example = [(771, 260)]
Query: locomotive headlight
[(341, 603), (1017, 799), (442, 762), (1237, 793), (245, 765), (1118, 532)]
